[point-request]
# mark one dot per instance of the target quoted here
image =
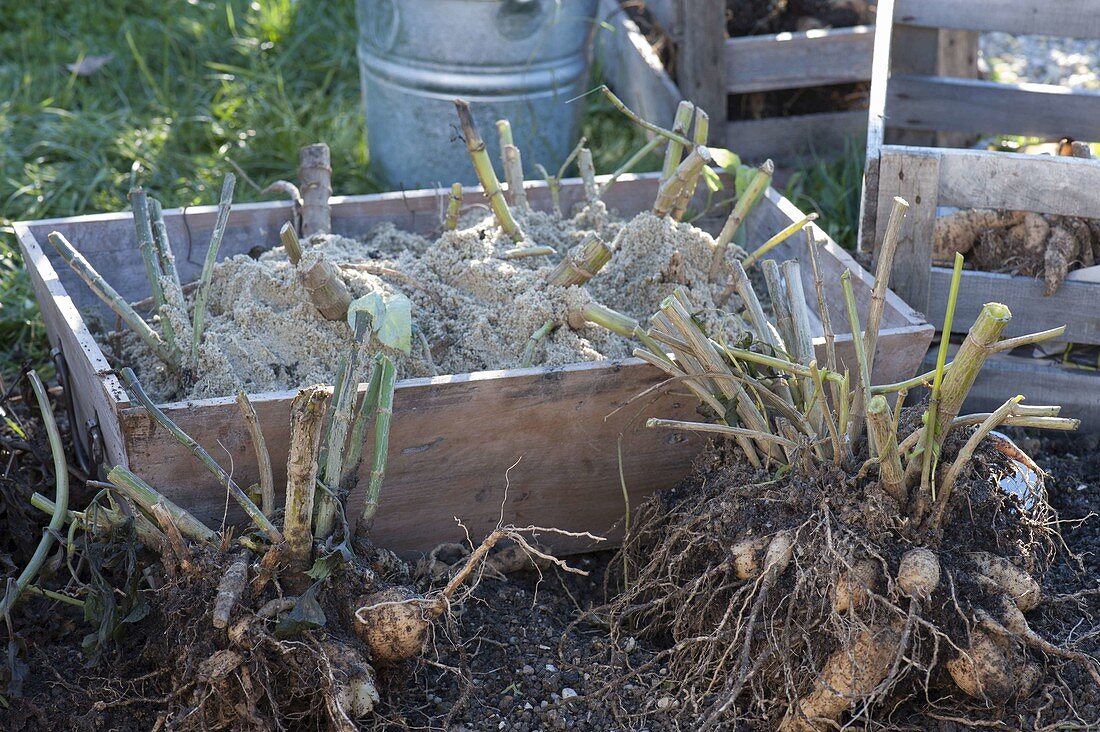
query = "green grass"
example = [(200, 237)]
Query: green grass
[(832, 188), (193, 88)]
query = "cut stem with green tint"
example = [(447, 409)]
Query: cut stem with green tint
[(454, 205), (536, 338), (146, 496), (382, 419), (224, 205), (133, 386), (778, 239), (675, 150), (761, 179), (483, 166)]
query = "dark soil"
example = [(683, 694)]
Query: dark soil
[(523, 653)]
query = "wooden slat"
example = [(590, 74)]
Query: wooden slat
[(917, 180), (1041, 381), (700, 64), (1073, 18), (986, 107), (632, 68), (451, 445), (1074, 305), (985, 179), (96, 390), (799, 60), (789, 140), (876, 123)]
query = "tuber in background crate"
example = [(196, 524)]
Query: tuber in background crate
[(713, 67), (907, 106), (531, 445)]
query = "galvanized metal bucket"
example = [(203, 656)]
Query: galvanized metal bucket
[(516, 59)]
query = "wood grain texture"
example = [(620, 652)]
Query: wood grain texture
[(1041, 381), (1073, 18), (986, 107), (1073, 305), (917, 180), (799, 60), (876, 123), (455, 445), (790, 140), (97, 391), (700, 62), (453, 438), (632, 68)]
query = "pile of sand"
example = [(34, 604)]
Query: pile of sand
[(472, 310)]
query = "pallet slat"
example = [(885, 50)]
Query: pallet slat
[(788, 139), (985, 107), (799, 60), (1073, 18)]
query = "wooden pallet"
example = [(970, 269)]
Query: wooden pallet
[(532, 445), (908, 106), (715, 67)]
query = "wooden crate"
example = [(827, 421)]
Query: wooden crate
[(532, 445), (715, 67), (931, 109)]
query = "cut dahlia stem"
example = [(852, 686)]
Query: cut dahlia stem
[(322, 280), (675, 150), (61, 501), (742, 285), (315, 178), (114, 301), (513, 174), (863, 387), (630, 163), (604, 317), (536, 338), (483, 166), (230, 589), (139, 203), (929, 442), (145, 496), (992, 422), (687, 171), (969, 359), (891, 473), (364, 417), (781, 308), (263, 457), (293, 246), (803, 343), (699, 136), (576, 269), (638, 120), (830, 422), (554, 185), (587, 170), (1009, 344), (133, 386), (307, 415), (528, 251), (207, 275), (341, 413), (454, 206), (382, 419), (883, 271), (164, 248), (721, 429), (778, 239), (326, 289), (744, 206), (102, 519)]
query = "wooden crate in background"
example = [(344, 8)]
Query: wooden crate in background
[(712, 67), (454, 438), (924, 115)]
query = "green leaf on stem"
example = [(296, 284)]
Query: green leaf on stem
[(388, 317), (723, 158)]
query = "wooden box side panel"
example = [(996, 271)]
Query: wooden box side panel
[(451, 445), (95, 391), (1072, 18)]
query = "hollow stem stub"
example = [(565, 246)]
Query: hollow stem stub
[(113, 300), (483, 166), (605, 317), (745, 204), (699, 135), (669, 192), (577, 269), (675, 149), (307, 413), (891, 473), (291, 244), (146, 496)]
